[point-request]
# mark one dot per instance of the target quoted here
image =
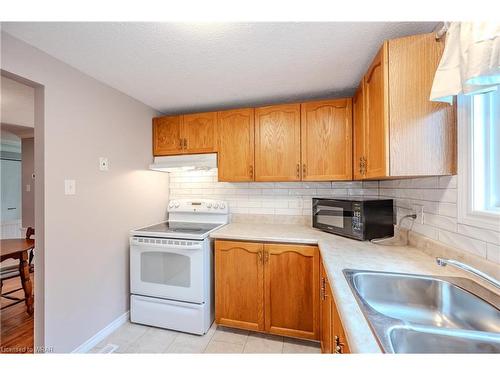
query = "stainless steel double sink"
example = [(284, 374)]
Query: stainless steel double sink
[(427, 314)]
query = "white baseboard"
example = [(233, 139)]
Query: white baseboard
[(102, 334)]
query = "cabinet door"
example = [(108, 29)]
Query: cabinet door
[(277, 143), (339, 337), (422, 133), (291, 278), (376, 119), (199, 131), (358, 133), (236, 145), (167, 135), (326, 144), (326, 318), (239, 285)]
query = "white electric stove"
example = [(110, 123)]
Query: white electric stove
[(171, 267)]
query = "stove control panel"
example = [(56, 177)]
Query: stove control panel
[(198, 205)]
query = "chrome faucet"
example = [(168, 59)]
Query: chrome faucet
[(443, 262)]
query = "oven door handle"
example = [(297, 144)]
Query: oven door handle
[(140, 246)]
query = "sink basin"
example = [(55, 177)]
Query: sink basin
[(427, 314), (414, 340), (427, 301)]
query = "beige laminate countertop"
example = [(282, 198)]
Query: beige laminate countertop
[(339, 253)]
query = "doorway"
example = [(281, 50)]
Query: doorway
[(17, 220)]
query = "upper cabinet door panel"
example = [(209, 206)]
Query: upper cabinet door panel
[(326, 140), (167, 135), (422, 133), (376, 120), (277, 143), (358, 132), (236, 145), (200, 132)]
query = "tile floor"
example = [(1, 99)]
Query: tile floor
[(135, 338)]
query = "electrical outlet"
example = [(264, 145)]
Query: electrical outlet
[(103, 163), (69, 187), (418, 210)]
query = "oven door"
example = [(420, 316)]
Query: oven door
[(168, 268), (333, 216)]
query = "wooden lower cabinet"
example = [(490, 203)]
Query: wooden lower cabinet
[(268, 288), (332, 335), (291, 276), (239, 285)]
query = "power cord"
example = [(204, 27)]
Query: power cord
[(387, 240)]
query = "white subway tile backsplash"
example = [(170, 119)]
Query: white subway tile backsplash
[(442, 222), (292, 201), (480, 233), (493, 253), (463, 243)]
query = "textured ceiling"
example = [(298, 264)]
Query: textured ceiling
[(175, 67)]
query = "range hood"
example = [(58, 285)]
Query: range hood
[(184, 162)]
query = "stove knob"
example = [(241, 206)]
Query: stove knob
[(209, 205), (171, 204), (222, 206), (216, 205), (177, 204)]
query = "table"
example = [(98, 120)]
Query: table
[(18, 248)]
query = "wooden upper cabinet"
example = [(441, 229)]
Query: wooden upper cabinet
[(167, 139), (422, 133), (277, 143), (291, 278), (358, 124), (239, 285), (326, 129), (236, 145), (377, 116), (404, 133), (199, 131)]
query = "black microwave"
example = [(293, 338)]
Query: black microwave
[(360, 218)]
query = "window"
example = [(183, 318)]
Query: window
[(479, 160)]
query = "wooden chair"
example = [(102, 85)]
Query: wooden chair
[(12, 271)]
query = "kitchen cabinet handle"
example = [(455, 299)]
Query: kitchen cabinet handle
[(260, 257), (185, 143), (266, 256), (251, 171), (298, 170), (304, 170), (180, 143)]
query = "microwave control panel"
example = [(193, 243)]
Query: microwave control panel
[(357, 224)]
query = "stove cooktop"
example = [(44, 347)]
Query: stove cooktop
[(177, 230)]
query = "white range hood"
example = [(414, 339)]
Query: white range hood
[(184, 162)]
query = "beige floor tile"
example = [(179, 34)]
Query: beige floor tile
[(186, 343), (124, 336), (230, 335), (262, 343), (155, 340), (296, 346), (224, 347)]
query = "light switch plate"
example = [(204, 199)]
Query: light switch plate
[(103, 163), (69, 187), (28, 188)]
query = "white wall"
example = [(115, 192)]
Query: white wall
[(17, 104), (86, 235)]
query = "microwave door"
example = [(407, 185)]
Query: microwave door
[(335, 217)]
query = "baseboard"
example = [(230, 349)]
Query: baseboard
[(102, 334)]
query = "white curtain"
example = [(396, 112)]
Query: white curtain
[(470, 63)]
